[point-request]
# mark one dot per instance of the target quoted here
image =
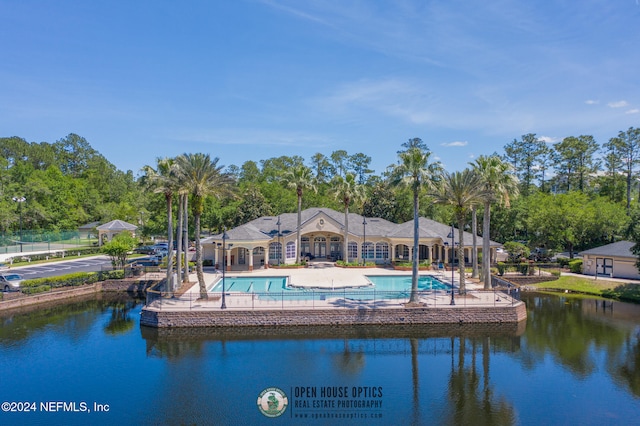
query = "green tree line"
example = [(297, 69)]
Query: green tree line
[(573, 194)]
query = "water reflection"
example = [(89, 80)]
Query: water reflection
[(574, 332), (473, 402), (572, 361)]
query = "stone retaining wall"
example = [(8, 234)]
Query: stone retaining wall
[(75, 292), (259, 318), (51, 296)]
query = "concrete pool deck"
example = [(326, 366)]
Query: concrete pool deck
[(326, 275)]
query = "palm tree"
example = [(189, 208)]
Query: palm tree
[(415, 171), (347, 190), (474, 242), (300, 177), (500, 184), (202, 176), (164, 180), (460, 190)]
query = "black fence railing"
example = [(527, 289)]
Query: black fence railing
[(321, 299)]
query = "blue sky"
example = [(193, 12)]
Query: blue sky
[(253, 79)]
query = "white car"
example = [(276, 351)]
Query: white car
[(10, 282)]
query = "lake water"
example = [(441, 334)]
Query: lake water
[(91, 363)]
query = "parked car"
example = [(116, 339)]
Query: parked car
[(161, 246), (10, 282), (144, 250)]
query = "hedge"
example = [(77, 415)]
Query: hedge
[(38, 285), (576, 266), (57, 254)]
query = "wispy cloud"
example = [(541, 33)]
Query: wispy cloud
[(618, 104), (391, 97), (549, 139), (591, 102), (295, 11), (455, 143), (254, 137), (633, 111)]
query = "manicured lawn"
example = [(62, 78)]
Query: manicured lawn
[(609, 289)]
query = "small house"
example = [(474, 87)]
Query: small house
[(612, 260)]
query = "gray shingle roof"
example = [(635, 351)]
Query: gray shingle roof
[(265, 228), (117, 225), (619, 249)]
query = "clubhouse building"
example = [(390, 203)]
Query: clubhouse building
[(269, 241)]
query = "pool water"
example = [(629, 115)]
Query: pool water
[(253, 284), (403, 282), (383, 286)]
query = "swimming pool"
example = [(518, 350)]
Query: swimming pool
[(382, 287)]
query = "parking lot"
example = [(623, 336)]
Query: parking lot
[(90, 264)]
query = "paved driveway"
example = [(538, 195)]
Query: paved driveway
[(89, 264)]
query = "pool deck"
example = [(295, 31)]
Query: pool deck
[(326, 276)]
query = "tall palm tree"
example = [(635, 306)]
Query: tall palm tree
[(202, 176), (500, 185), (460, 190), (416, 172), (299, 177), (164, 180), (347, 190), (474, 242)]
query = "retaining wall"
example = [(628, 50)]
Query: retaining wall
[(75, 292), (415, 315)]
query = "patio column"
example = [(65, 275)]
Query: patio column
[(393, 251), (250, 259), (266, 257), (229, 259)]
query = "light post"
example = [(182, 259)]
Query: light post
[(279, 245), (224, 265), (452, 235), (364, 244), (20, 200)]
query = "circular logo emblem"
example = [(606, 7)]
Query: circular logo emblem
[(272, 402)]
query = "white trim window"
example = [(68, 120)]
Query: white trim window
[(291, 250), (275, 251), (382, 251), (352, 248), (368, 250)]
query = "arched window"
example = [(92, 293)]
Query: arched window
[(275, 251), (382, 251), (291, 250), (368, 250), (353, 250)]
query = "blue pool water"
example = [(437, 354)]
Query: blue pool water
[(383, 286)]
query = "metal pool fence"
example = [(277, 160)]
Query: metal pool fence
[(321, 299)]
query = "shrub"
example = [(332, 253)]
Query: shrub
[(576, 266), (502, 267), (83, 251), (35, 289), (523, 268)]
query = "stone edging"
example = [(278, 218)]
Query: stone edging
[(305, 317), (73, 292)]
